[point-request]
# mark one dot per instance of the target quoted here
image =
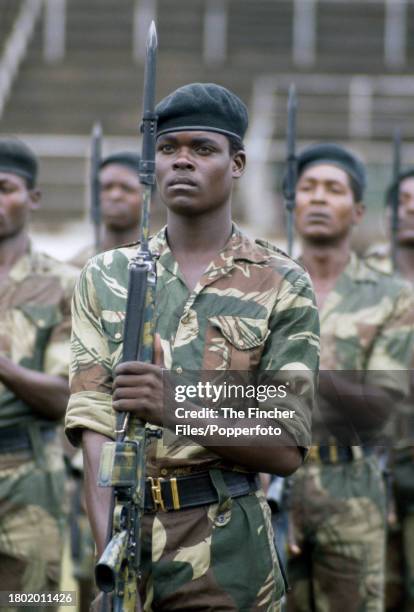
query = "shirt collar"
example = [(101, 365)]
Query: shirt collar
[(23, 266), (359, 271), (238, 247)]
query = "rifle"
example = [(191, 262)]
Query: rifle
[(122, 463), (395, 196), (96, 156), (289, 186)]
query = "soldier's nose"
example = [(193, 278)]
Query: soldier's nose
[(183, 162)]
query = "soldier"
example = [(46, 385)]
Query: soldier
[(223, 301), (338, 500), (121, 194), (34, 362), (401, 544), (380, 257), (120, 201)]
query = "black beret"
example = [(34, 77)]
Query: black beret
[(330, 153), (395, 185), (123, 158), (202, 107), (17, 158)]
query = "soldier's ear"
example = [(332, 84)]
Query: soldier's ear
[(35, 197), (359, 212), (238, 164)]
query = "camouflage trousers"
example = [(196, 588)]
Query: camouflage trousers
[(31, 519), (400, 566), (206, 559), (338, 521)]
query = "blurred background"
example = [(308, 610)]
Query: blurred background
[(65, 64)]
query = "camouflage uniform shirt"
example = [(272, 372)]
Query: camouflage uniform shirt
[(252, 308), (338, 506), (34, 333), (34, 324)]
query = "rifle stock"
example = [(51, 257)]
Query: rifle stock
[(122, 463)]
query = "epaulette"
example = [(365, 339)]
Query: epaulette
[(272, 247)]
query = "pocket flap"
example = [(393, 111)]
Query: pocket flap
[(242, 332)]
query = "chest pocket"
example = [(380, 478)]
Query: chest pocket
[(234, 343), (42, 319)]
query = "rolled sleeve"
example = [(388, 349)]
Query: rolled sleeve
[(90, 405)]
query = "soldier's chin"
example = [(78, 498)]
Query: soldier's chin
[(187, 208), (406, 238), (319, 235)]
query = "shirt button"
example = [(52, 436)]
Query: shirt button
[(41, 322), (163, 472), (241, 343), (179, 370), (117, 335)]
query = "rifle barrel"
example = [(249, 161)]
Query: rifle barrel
[(291, 163), (96, 156)]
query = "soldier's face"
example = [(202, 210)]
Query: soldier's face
[(325, 206), (121, 197), (406, 212), (16, 202), (195, 171)]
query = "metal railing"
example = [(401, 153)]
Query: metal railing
[(16, 47)]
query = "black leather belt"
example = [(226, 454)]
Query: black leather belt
[(13, 439), (194, 490)]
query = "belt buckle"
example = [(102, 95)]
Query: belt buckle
[(156, 493)]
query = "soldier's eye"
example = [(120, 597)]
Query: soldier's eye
[(204, 150), (166, 148)]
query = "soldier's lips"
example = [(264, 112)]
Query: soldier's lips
[(181, 187), (181, 182), (318, 218)]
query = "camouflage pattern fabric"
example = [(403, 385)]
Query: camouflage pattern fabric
[(252, 308), (338, 509), (32, 517), (379, 258), (203, 559), (34, 332), (34, 324), (83, 549), (400, 545)]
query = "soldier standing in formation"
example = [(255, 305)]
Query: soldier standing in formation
[(401, 545), (34, 362), (120, 201), (223, 301), (338, 499)]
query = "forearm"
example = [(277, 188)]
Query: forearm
[(98, 499), (47, 395), (279, 460), (364, 405)]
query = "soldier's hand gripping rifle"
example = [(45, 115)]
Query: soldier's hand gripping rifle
[(289, 187), (395, 197), (123, 461), (96, 157)]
